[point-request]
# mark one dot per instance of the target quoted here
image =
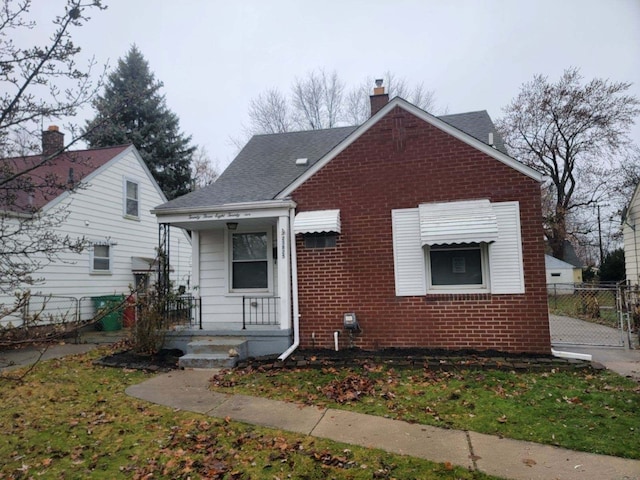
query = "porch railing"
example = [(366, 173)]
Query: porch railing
[(184, 310), (260, 311)]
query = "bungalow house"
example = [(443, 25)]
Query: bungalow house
[(630, 223), (110, 209), (409, 230)]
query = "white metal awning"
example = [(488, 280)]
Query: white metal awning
[(317, 221), (469, 221)]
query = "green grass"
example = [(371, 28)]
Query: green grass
[(70, 419), (587, 411)]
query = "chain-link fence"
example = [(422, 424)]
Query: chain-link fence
[(582, 314)]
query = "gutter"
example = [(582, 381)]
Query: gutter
[(294, 291), (224, 207)]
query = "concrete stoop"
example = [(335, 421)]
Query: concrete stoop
[(214, 352)]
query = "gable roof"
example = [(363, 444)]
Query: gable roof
[(266, 167), (50, 177), (555, 263), (569, 253)]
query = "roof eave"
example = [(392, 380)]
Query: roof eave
[(259, 205)]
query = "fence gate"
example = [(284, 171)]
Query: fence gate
[(589, 315)]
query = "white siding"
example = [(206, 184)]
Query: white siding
[(96, 213), (408, 255), (505, 254), (632, 240), (219, 305)]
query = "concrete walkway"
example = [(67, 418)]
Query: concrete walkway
[(512, 459)]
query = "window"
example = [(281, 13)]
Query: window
[(458, 247), (101, 258), (457, 266), (320, 240), (249, 261), (132, 202)]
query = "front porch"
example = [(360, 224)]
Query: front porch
[(259, 330), (241, 279)]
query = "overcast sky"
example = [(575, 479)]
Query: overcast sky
[(215, 56)]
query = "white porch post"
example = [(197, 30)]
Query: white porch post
[(195, 261), (284, 271)]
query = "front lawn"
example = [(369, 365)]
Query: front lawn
[(591, 411), (71, 419)]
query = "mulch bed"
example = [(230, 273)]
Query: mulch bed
[(417, 357), (163, 361)]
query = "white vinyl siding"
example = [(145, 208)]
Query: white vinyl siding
[(96, 213), (408, 253), (505, 273), (505, 254), (219, 305), (631, 235)]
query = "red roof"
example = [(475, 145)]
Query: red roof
[(46, 179)]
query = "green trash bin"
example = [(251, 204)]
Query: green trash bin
[(112, 320)]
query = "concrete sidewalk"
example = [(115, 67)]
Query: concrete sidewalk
[(10, 359), (512, 459)]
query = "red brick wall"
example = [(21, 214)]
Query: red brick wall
[(399, 163)]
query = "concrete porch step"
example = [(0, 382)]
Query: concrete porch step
[(214, 352), (218, 345), (207, 360)]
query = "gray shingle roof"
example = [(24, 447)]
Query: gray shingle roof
[(267, 164), (478, 125)]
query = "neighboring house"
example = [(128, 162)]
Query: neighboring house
[(408, 231), (561, 276), (630, 225), (111, 210)]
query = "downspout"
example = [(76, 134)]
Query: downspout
[(294, 289)]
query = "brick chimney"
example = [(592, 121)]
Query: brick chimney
[(379, 99), (52, 141)]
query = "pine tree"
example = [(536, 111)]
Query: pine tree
[(132, 110)]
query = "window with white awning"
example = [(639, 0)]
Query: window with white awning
[(317, 221)]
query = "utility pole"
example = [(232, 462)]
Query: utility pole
[(600, 237)]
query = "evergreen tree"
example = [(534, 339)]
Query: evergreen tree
[(612, 268), (132, 110)]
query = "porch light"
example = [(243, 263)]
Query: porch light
[(232, 225)]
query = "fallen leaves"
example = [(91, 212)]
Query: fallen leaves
[(349, 389)]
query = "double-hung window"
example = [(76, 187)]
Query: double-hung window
[(132, 199), (101, 258), (250, 261)]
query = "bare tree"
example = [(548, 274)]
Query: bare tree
[(321, 100), (203, 170), (269, 113), (38, 83), (574, 133), (317, 100)]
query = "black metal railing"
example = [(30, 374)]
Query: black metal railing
[(260, 311), (184, 310)]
